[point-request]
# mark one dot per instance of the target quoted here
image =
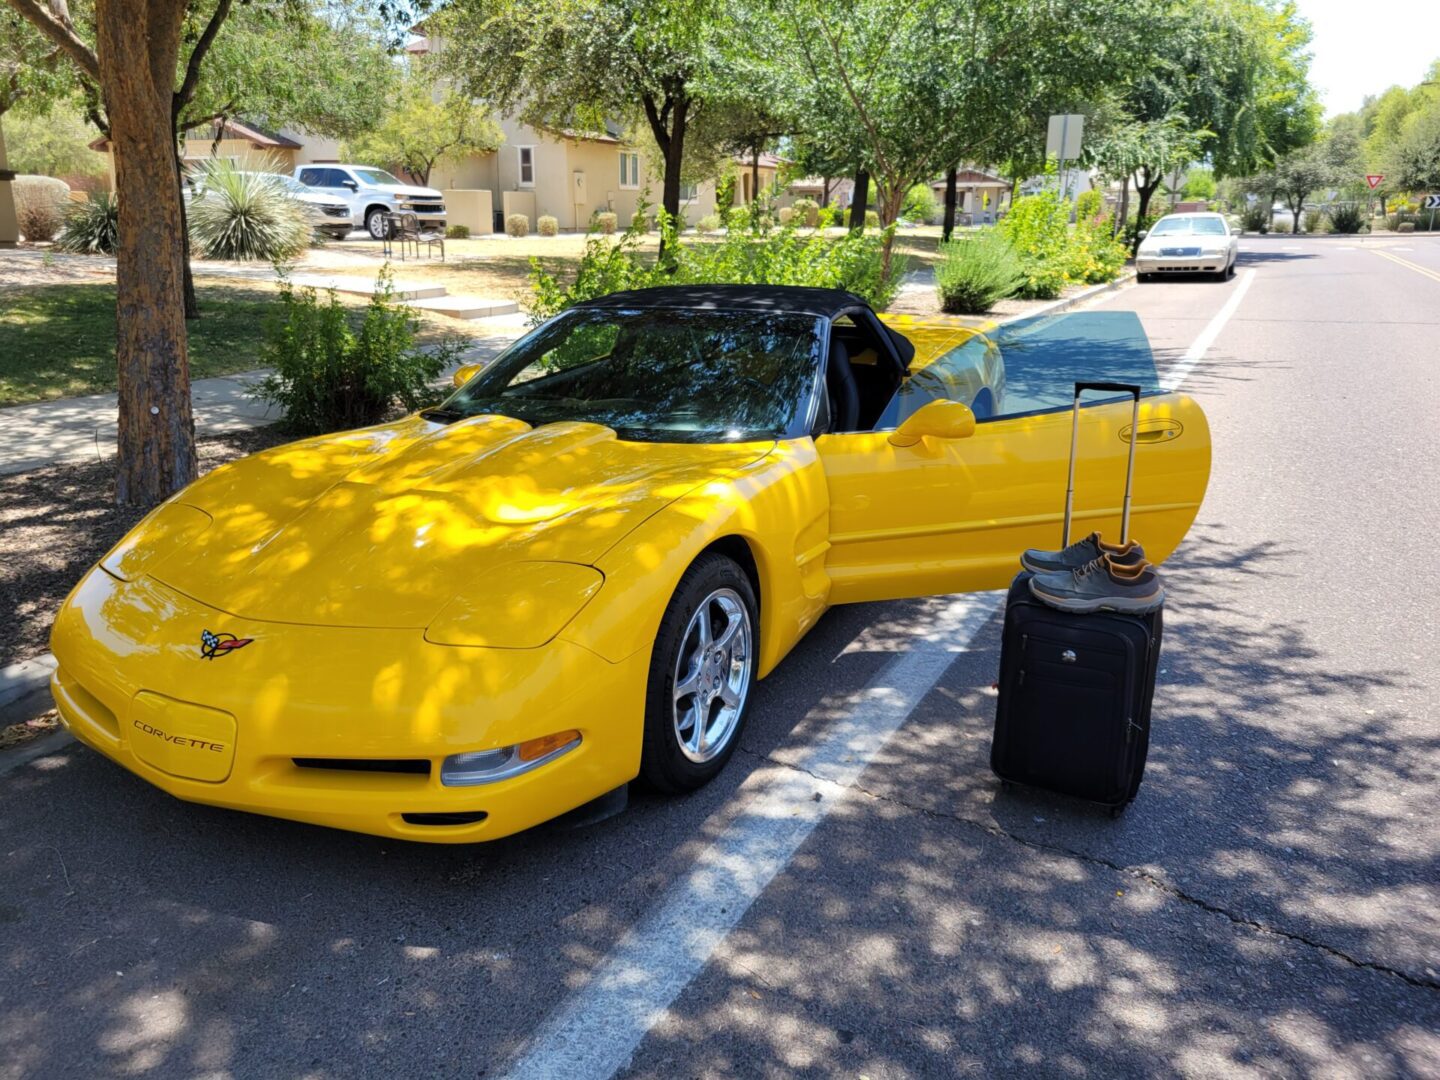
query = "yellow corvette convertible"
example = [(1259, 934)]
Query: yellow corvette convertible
[(570, 574)]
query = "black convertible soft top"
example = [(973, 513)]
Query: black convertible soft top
[(827, 303)]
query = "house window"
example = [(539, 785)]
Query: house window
[(629, 169), (688, 192), (527, 166)]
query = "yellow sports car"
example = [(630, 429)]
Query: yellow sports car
[(570, 574)]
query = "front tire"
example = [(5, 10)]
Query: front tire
[(375, 223), (701, 672)]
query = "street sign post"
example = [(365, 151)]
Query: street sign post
[(1374, 179), (1062, 141), (1431, 203)]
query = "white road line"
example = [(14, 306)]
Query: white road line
[(597, 1030), (1201, 345)]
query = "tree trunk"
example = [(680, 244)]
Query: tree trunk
[(192, 305), (824, 193), (890, 199), (138, 45), (858, 198), (754, 181), (1145, 191), (951, 178), (667, 124), (1123, 217)]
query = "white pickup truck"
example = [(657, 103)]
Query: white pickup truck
[(372, 192)]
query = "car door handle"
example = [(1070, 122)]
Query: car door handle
[(1158, 430)]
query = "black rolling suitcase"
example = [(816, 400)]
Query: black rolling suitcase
[(1073, 715)]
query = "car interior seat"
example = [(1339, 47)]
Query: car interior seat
[(841, 388)]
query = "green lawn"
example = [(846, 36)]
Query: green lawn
[(59, 340)]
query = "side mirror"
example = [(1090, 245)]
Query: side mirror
[(351, 184), (937, 420), (464, 373), (1143, 233)]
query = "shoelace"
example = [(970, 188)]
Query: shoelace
[(1094, 566), (1074, 549)]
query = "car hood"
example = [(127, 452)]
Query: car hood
[(411, 192), (381, 527)]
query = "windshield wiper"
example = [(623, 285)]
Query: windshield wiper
[(447, 416)]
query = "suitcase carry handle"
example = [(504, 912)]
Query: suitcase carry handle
[(1119, 388)]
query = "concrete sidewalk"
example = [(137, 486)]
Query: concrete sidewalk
[(84, 428)]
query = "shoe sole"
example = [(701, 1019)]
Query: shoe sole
[(1121, 606)]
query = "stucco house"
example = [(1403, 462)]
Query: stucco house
[(979, 196), (244, 142)]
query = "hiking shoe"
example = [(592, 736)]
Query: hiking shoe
[(1082, 551), (1101, 585)]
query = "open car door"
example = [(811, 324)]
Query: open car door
[(951, 512)]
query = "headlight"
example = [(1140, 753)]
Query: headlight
[(160, 535), (488, 766), (519, 605)]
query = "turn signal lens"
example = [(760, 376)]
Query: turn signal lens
[(538, 748), (488, 766)]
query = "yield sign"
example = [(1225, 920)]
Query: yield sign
[(1373, 179)]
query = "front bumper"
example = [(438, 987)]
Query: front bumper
[(262, 728), (1181, 264)]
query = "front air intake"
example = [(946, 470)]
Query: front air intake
[(410, 766), (465, 817)]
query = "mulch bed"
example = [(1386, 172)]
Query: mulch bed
[(56, 522)]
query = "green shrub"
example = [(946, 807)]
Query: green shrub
[(517, 225), (92, 227), (457, 232), (40, 205), (1281, 225), (1094, 253), (330, 376), (1038, 228), (976, 271), (1089, 205), (919, 204), (1255, 218), (807, 211), (708, 224), (245, 215), (607, 222), (1347, 218), (781, 256), (547, 226), (738, 217), (872, 219), (1405, 227)]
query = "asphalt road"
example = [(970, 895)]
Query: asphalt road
[(1270, 905)]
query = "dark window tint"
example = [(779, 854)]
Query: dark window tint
[(661, 376)]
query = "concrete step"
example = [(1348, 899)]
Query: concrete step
[(465, 307), (363, 286)]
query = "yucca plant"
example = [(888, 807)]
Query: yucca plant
[(91, 227), (977, 271), (245, 215)]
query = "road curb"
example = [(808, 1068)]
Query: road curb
[(1065, 303), (25, 689), (44, 746)]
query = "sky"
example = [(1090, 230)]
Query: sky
[(1363, 49)]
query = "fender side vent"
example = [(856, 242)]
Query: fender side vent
[(466, 817), (414, 766)]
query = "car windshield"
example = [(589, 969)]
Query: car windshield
[(655, 375), (1188, 226), (377, 176)]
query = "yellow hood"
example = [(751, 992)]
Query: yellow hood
[(381, 527)]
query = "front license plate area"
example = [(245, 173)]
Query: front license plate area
[(185, 740)]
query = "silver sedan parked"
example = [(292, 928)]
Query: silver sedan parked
[(1187, 244)]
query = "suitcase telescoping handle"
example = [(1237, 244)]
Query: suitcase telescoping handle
[(1119, 388)]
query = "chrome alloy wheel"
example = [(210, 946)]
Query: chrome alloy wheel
[(713, 668)]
